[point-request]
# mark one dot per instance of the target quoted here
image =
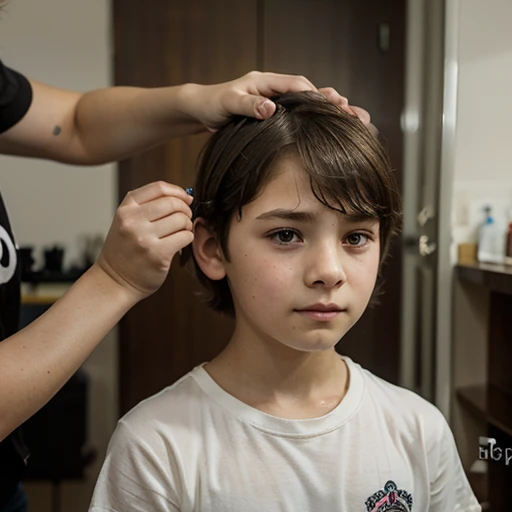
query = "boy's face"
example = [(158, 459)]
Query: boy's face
[(291, 257)]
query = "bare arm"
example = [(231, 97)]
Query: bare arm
[(38, 360), (150, 226), (96, 127), (114, 123)]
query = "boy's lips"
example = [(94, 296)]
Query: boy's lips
[(322, 307), (322, 312)]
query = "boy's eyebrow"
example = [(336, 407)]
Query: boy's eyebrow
[(282, 214), (359, 217)]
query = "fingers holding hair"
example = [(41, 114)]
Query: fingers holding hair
[(157, 189)]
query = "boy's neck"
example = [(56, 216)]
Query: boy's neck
[(281, 381)]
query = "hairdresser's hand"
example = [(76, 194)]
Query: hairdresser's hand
[(248, 95), (333, 96), (150, 226)]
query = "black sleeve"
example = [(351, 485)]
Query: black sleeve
[(15, 97)]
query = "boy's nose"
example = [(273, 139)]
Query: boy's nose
[(326, 266)]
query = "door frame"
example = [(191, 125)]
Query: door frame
[(445, 256), (431, 357)]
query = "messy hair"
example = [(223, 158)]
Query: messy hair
[(348, 170)]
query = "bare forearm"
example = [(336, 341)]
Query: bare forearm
[(112, 124), (103, 125), (36, 362)]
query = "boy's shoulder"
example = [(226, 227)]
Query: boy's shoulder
[(399, 404), (177, 403)]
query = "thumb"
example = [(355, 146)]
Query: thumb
[(253, 105), (263, 107)]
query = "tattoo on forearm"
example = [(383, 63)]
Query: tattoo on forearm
[(57, 130)]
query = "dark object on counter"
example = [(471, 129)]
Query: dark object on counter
[(43, 276), (52, 271), (26, 260), (53, 259)]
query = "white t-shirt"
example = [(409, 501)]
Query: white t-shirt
[(194, 447)]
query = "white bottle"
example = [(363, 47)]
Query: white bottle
[(491, 241)]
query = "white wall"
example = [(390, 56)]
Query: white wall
[(483, 161), (485, 99), (65, 43)]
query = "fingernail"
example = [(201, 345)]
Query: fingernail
[(264, 109), (189, 191)]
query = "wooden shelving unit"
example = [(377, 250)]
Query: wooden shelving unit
[(497, 278), (492, 403), (474, 399)]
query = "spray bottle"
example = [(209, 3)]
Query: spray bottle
[(491, 240)]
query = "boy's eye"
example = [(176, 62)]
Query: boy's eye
[(283, 236), (357, 239)]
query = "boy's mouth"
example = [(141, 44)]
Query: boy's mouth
[(319, 306), (320, 311)]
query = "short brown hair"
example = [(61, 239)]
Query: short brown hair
[(348, 170)]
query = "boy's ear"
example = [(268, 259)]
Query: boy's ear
[(207, 252)]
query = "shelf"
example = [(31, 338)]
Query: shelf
[(497, 278), (491, 405), (42, 294)]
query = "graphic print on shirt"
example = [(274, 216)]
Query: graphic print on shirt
[(389, 499), (7, 256)]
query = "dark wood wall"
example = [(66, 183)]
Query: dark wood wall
[(169, 42)]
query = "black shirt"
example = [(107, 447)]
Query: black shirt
[(15, 100)]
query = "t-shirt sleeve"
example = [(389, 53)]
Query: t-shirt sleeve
[(136, 476), (15, 97), (449, 487)]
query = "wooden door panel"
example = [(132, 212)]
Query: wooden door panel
[(308, 37)]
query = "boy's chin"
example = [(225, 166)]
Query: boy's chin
[(311, 346)]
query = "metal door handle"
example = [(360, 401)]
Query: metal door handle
[(425, 246)]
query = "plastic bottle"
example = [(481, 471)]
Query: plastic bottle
[(491, 241)]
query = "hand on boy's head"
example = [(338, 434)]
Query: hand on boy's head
[(334, 97), (248, 95), (361, 113), (150, 226)]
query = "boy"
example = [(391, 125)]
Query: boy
[(293, 218)]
